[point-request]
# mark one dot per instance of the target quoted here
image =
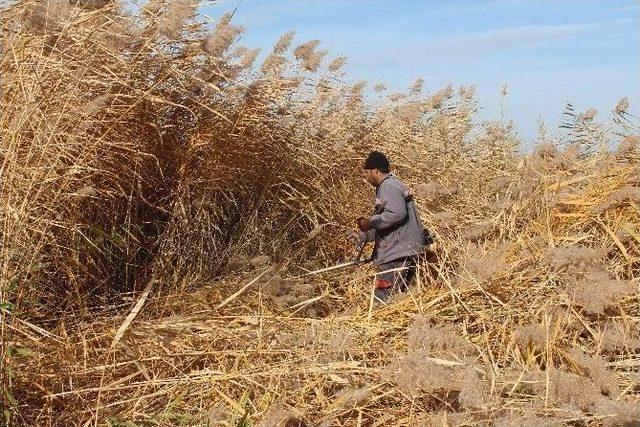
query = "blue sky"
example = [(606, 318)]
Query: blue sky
[(548, 53)]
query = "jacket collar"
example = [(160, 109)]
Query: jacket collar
[(389, 175)]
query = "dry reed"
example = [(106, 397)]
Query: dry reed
[(149, 151)]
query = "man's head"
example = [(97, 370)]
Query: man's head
[(375, 168)]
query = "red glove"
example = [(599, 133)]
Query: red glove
[(363, 224)]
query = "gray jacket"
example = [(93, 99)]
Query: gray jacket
[(396, 226)]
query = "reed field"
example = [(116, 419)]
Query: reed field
[(164, 187)]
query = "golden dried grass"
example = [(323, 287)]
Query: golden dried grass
[(144, 152)]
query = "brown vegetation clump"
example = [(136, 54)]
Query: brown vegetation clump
[(176, 14), (580, 257), (276, 416), (435, 339), (618, 413), (477, 231), (337, 63), (444, 219), (577, 394), (348, 398), (482, 265), (625, 194), (222, 37), (473, 392), (571, 389), (629, 148), (432, 190), (618, 337), (427, 368), (416, 373), (533, 335), (595, 290), (163, 192), (595, 368)]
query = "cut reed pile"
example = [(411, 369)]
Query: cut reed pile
[(148, 150)]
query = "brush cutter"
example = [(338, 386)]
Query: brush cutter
[(355, 261)]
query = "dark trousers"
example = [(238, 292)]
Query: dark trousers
[(398, 279)]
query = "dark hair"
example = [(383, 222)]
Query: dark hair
[(377, 160)]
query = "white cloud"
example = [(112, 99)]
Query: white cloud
[(505, 37), (465, 45)]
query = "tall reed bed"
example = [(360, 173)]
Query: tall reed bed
[(150, 148)]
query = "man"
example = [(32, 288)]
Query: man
[(395, 227)]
